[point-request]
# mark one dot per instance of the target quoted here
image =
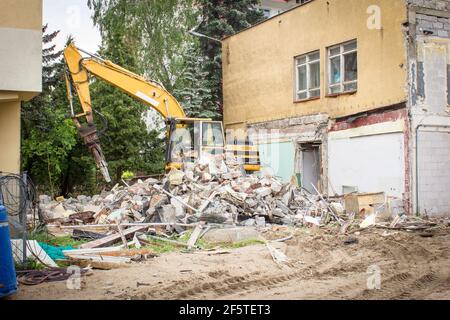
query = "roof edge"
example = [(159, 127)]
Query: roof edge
[(268, 19)]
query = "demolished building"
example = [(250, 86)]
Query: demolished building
[(349, 96)]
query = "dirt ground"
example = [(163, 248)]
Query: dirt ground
[(412, 266)]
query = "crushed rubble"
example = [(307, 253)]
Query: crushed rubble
[(217, 200), (214, 192)]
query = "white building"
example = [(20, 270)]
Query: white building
[(274, 7)]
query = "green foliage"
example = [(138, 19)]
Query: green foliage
[(127, 175), (30, 264), (221, 18), (158, 31), (193, 89), (49, 239)]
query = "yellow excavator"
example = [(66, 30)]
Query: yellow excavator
[(188, 139)]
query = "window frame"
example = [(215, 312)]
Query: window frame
[(308, 64), (342, 83)]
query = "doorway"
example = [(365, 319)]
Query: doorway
[(310, 166)]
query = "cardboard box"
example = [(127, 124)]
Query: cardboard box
[(363, 203)]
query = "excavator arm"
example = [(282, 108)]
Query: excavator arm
[(78, 71)]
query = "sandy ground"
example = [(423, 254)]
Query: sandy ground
[(321, 267)]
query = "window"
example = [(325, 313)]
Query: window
[(307, 76), (212, 134), (343, 68)]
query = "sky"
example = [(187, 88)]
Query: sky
[(71, 17)]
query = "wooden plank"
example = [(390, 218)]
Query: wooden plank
[(110, 259), (112, 238), (122, 236), (194, 236), (91, 251), (101, 265)]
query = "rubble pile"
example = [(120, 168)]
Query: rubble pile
[(214, 191)]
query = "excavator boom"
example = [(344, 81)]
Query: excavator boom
[(187, 138), (78, 70)]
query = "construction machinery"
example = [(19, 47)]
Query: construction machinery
[(188, 139)]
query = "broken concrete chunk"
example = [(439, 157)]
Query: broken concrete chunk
[(167, 214), (369, 221), (175, 177), (117, 215), (249, 222), (180, 210), (312, 220), (263, 192), (44, 199), (260, 222), (231, 235)]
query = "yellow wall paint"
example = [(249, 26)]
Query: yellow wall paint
[(10, 137), (258, 63), (21, 14)]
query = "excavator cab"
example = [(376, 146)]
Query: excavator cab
[(190, 140)]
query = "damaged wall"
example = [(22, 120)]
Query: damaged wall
[(258, 63), (429, 57), (369, 154), (443, 5), (282, 141), (434, 171), (432, 122)]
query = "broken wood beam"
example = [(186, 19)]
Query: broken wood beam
[(195, 235), (175, 198), (104, 258), (91, 251), (112, 238), (339, 220), (122, 236)]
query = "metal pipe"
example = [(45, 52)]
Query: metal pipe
[(417, 159), (200, 35)]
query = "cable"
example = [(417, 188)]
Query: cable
[(35, 277)]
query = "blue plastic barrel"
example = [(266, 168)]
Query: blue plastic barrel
[(8, 281)]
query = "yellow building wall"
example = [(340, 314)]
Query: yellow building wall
[(258, 63), (10, 137)]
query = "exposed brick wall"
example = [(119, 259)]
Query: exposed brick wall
[(434, 173), (432, 4), (379, 116), (440, 27)]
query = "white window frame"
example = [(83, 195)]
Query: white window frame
[(341, 54), (308, 62)]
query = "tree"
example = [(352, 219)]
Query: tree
[(221, 18), (47, 136), (193, 90), (158, 30), (125, 141)]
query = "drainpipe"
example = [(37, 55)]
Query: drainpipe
[(417, 158)]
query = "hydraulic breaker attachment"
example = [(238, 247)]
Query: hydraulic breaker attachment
[(89, 135)]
